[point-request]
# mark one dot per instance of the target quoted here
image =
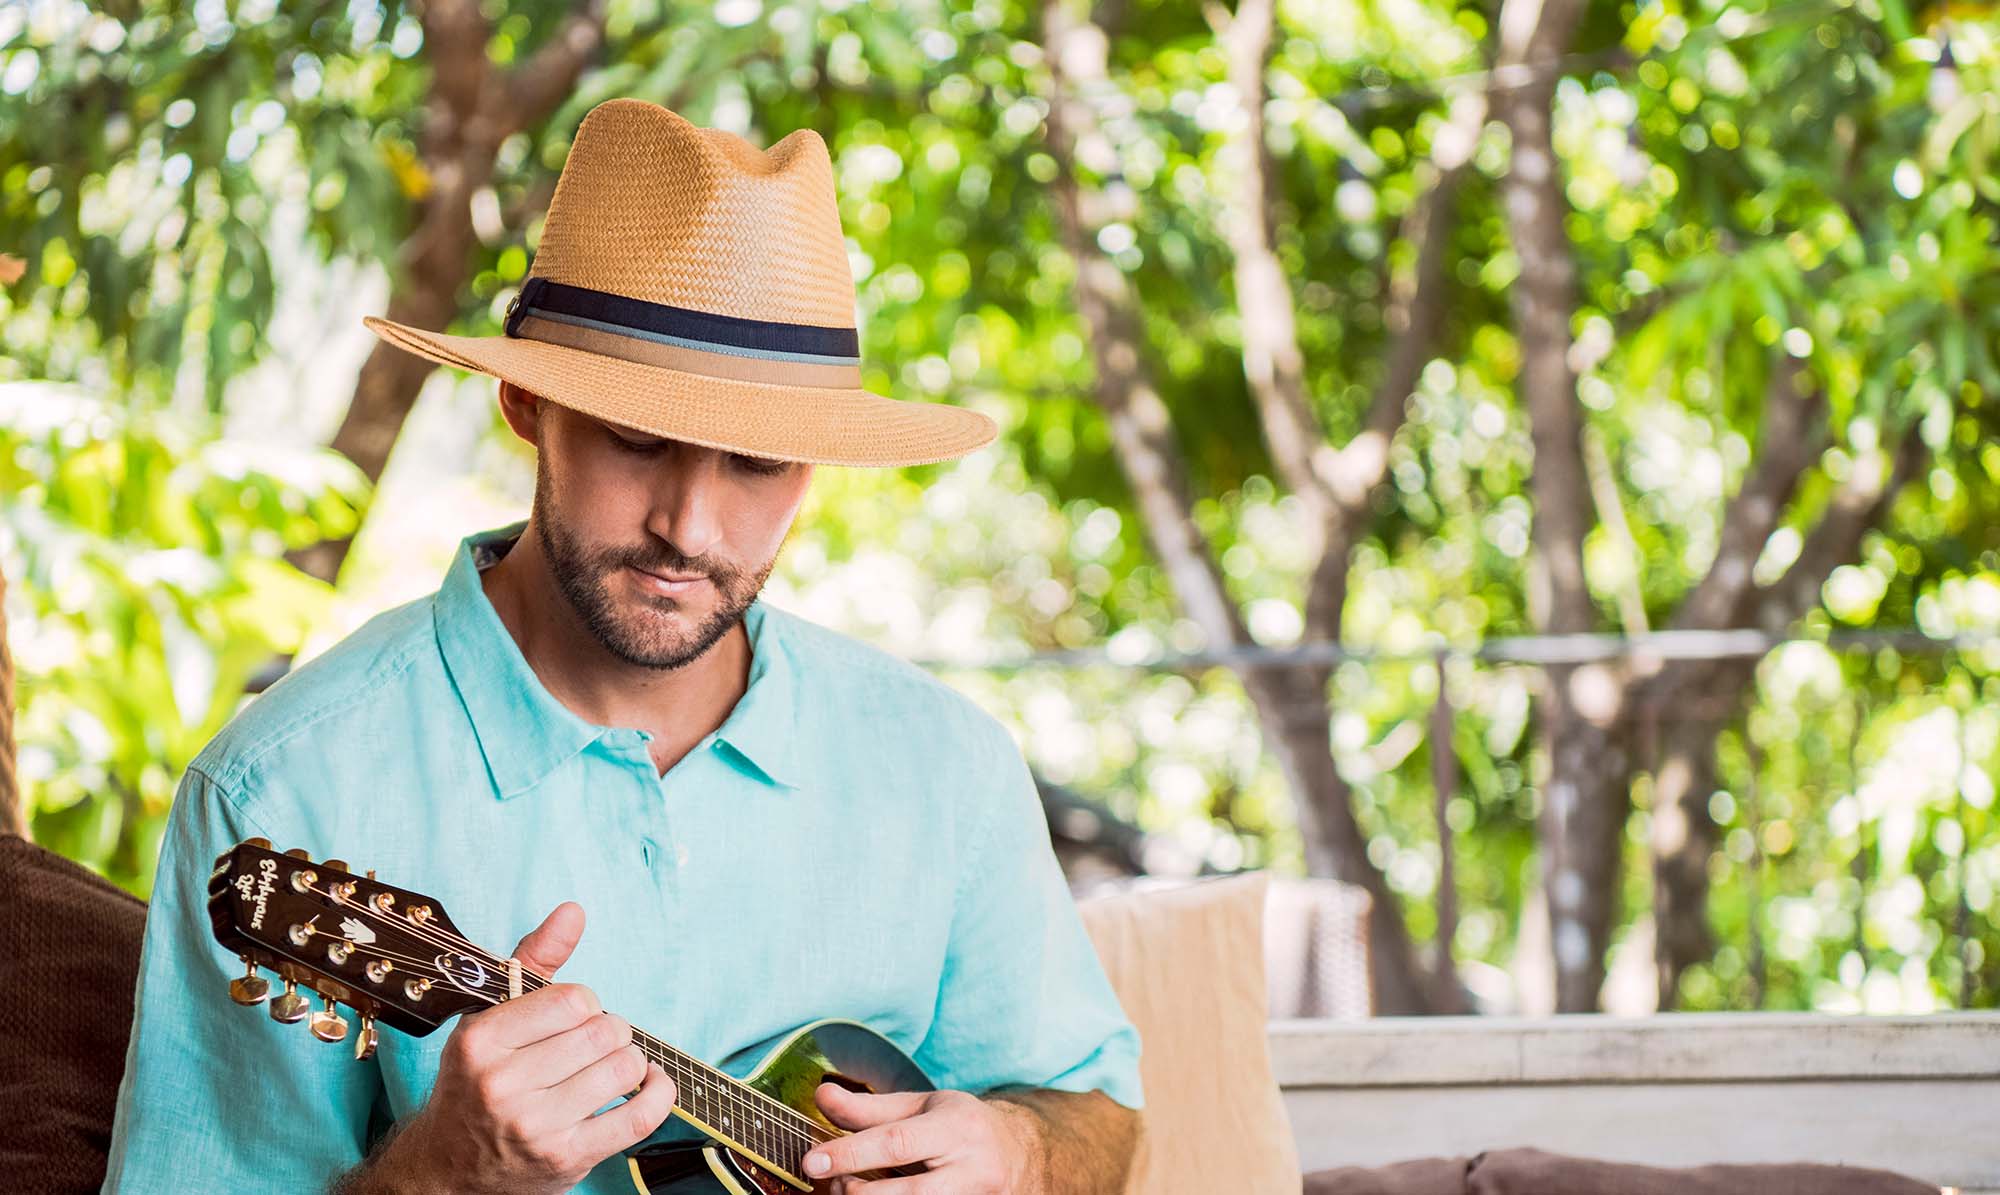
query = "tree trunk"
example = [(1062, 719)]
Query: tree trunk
[(1291, 704), (470, 110), (1585, 798), (1699, 699), (1684, 833)]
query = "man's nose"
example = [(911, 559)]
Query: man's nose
[(687, 508)]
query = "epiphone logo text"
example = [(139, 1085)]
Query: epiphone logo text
[(258, 889)]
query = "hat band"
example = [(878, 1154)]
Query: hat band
[(697, 342)]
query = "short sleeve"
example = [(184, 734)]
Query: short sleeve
[(218, 1096), (1023, 1000)]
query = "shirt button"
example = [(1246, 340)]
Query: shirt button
[(680, 854)]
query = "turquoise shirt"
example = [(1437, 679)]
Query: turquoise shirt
[(856, 840)]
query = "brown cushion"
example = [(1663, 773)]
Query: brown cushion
[(1427, 1176), (1532, 1172), (1188, 965), (71, 944)]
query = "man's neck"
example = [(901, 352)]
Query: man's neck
[(677, 706)]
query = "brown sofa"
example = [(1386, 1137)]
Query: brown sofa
[(1532, 1172), (71, 944)]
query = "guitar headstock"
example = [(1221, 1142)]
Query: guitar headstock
[(388, 953)]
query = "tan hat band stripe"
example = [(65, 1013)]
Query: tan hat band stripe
[(730, 367)]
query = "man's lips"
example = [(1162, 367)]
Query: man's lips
[(669, 586)]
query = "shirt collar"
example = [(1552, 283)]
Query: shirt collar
[(525, 733)]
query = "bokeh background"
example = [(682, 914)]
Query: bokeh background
[(1532, 461)]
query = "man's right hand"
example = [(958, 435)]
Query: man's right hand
[(517, 1086)]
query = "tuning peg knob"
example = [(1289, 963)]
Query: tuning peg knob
[(365, 1039), (250, 988), (298, 852), (337, 865), (259, 842), (328, 1025), (290, 1008)]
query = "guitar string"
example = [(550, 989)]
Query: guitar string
[(800, 1130), (439, 935), (799, 1122), (812, 1133), (418, 966)]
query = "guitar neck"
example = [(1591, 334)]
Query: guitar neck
[(394, 954), (719, 1104)]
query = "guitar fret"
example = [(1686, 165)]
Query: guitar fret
[(722, 1103), (393, 946)]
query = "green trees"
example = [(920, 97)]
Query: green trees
[(1400, 328)]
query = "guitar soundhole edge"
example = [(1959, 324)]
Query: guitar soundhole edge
[(766, 1183)]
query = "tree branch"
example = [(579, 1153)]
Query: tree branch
[(1856, 508), (1336, 485), (1544, 299), (536, 87), (1291, 704), (1142, 429), (455, 37), (1791, 440)]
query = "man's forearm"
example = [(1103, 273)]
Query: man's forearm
[(393, 1167), (1079, 1143)]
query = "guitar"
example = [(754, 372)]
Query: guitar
[(394, 957)]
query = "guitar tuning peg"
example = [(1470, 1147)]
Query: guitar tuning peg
[(365, 1039), (290, 1008), (336, 865), (250, 987), (298, 852), (328, 1025), (260, 842)]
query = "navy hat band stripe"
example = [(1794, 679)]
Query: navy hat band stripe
[(678, 325)]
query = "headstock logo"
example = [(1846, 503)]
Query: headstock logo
[(258, 889), (356, 932)]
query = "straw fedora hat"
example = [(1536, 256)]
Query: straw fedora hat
[(695, 287)]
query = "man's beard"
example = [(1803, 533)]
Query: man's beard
[(581, 573)]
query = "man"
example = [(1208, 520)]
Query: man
[(769, 824)]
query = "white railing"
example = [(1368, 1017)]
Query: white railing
[(1918, 1095)]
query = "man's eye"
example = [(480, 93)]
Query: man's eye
[(759, 465), (638, 446)]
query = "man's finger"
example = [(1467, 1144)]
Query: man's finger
[(549, 945), (898, 1143), (866, 1109), (631, 1122), (540, 1014)]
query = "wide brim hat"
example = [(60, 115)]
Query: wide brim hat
[(692, 286)]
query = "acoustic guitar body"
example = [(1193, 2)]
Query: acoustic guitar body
[(683, 1160)]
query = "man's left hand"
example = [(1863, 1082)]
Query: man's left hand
[(969, 1146)]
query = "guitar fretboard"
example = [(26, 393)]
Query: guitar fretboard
[(720, 1104)]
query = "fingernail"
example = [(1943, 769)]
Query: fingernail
[(817, 1164)]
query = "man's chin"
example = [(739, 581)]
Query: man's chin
[(666, 634)]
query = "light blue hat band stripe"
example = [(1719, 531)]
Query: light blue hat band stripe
[(704, 346)]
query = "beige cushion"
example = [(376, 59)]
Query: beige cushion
[(1188, 964)]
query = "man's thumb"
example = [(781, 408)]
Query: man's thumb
[(548, 946)]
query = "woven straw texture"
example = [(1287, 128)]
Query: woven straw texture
[(651, 207)]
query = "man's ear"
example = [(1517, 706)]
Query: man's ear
[(522, 409)]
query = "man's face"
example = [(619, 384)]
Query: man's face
[(658, 545)]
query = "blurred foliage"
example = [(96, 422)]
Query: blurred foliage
[(1747, 180), (147, 590)]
